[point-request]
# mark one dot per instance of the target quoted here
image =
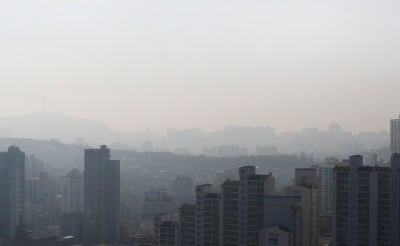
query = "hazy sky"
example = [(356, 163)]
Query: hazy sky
[(139, 64)]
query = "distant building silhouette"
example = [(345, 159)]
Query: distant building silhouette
[(102, 197), (182, 190), (157, 201), (73, 192), (266, 150), (182, 185), (225, 151)]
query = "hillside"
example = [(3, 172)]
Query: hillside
[(51, 125)]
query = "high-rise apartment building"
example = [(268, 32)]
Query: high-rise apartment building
[(73, 192), (248, 212), (325, 175), (306, 188), (12, 192), (187, 224), (242, 206), (366, 203), (101, 196), (395, 200), (253, 188), (395, 135), (230, 212), (207, 216), (307, 233), (325, 190)]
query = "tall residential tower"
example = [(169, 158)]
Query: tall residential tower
[(395, 135), (366, 203), (12, 192), (73, 192), (102, 196)]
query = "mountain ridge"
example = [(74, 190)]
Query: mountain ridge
[(55, 125)]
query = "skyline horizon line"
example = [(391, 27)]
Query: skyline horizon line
[(204, 130)]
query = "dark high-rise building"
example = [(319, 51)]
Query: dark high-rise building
[(187, 224), (325, 174), (12, 192), (395, 135), (101, 197), (306, 188), (366, 203), (253, 188), (395, 200), (230, 212), (207, 216)]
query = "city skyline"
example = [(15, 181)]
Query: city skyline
[(200, 123), (276, 128), (246, 208)]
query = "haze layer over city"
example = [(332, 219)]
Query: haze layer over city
[(183, 122), (157, 65)]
